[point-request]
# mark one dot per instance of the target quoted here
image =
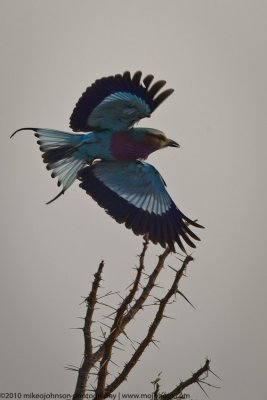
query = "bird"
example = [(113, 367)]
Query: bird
[(107, 153)]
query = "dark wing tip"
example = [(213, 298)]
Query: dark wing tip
[(194, 223), (162, 96), (127, 75), (24, 129), (147, 80), (155, 88), (137, 77), (187, 240)]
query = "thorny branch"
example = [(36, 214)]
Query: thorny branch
[(152, 329), (121, 316), (195, 378), (88, 360), (117, 327)]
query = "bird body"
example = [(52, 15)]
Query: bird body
[(133, 144), (107, 155)]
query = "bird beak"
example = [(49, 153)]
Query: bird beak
[(172, 143)]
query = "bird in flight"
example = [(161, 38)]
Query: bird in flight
[(107, 152)]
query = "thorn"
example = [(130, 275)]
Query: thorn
[(109, 316), (155, 344), (203, 390), (120, 296), (158, 286), (133, 347), (209, 384), (77, 328), (128, 287), (118, 348), (109, 327), (181, 294), (149, 305), (217, 376), (175, 270), (71, 369), (98, 340), (103, 332), (125, 334), (107, 294), (179, 254), (166, 316), (113, 362), (106, 305), (117, 340), (147, 275)]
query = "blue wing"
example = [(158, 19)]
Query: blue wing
[(134, 193), (117, 102)]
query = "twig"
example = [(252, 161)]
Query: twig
[(147, 289), (195, 378)]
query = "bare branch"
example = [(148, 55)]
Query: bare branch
[(195, 378), (89, 360), (117, 327), (130, 305), (147, 289), (138, 304), (151, 331)]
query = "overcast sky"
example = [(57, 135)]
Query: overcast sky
[(213, 53)]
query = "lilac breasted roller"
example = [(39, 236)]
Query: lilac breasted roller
[(107, 157)]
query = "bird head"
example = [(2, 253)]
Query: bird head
[(158, 139)]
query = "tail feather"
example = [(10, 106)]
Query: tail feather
[(52, 155), (61, 154)]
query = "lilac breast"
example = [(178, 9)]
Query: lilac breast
[(123, 147)]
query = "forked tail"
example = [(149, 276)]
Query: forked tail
[(61, 154)]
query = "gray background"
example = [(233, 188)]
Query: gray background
[(213, 53)]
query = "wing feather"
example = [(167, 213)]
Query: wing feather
[(117, 102), (155, 88), (137, 77), (148, 80), (134, 193), (161, 97)]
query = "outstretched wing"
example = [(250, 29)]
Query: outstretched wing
[(134, 193), (117, 102)]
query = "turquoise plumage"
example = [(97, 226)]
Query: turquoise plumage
[(108, 157)]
